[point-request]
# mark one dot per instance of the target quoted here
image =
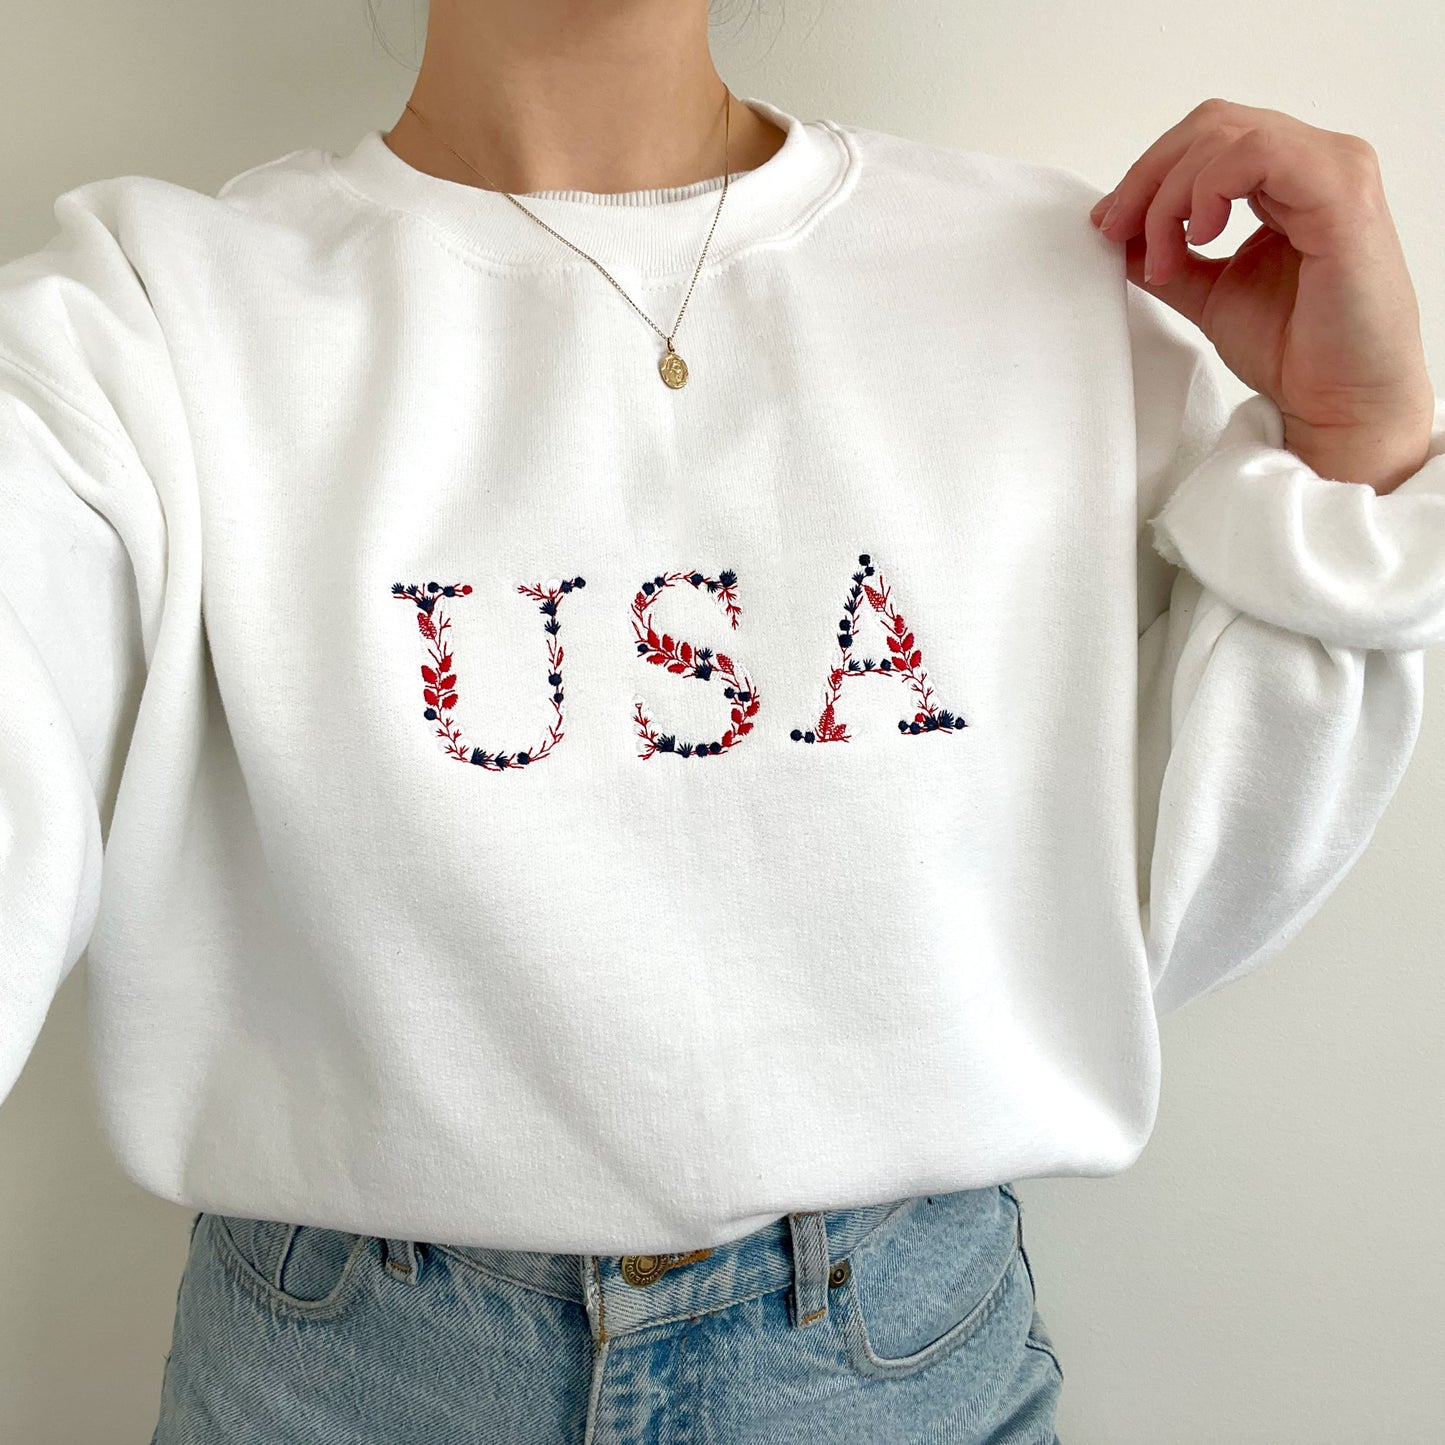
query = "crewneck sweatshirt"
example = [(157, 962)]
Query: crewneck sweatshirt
[(503, 800)]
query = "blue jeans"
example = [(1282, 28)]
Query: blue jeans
[(906, 1322)]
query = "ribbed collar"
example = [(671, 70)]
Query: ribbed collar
[(653, 233)]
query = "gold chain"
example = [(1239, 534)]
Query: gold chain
[(672, 367)]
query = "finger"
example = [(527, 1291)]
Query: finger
[(1297, 184), (1261, 208), (1262, 165), (1134, 192), (1187, 290), (1177, 200)]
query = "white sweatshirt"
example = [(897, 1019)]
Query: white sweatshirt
[(368, 602)]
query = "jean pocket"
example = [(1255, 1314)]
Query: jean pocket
[(927, 1281), (299, 1270)]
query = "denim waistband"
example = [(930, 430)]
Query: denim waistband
[(797, 1250)]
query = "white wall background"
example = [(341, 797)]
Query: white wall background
[(1269, 1272)]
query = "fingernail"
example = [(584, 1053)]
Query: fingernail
[(1189, 231), (1148, 267), (1110, 214)]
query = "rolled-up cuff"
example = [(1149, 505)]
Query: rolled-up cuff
[(1333, 559)]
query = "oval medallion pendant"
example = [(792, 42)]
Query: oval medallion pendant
[(673, 369)]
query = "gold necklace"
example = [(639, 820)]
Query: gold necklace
[(672, 368)]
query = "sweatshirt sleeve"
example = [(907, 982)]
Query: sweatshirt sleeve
[(83, 384), (1282, 621)]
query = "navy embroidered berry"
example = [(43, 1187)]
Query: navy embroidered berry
[(682, 659), (439, 679), (906, 660)]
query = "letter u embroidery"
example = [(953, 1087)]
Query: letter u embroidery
[(439, 678), (684, 660), (904, 660)]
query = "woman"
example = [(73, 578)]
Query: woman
[(381, 553)]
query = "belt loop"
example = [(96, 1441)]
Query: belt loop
[(401, 1260), (810, 1269)]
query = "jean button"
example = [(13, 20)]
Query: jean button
[(639, 1270)]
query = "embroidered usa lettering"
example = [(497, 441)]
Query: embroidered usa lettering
[(685, 660), (905, 661), (439, 677), (678, 657)]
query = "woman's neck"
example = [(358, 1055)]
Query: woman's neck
[(595, 95)]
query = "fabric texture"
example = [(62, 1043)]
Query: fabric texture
[(367, 603)]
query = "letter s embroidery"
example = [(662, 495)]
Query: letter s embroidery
[(685, 660), (906, 661), (439, 680)]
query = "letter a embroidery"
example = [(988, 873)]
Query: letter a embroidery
[(439, 678), (685, 660), (904, 661)]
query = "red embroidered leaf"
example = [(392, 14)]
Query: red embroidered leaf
[(746, 727), (893, 643), (737, 715), (899, 625), (676, 667), (449, 701), (874, 596), (915, 659), (445, 661), (428, 674), (685, 652), (667, 642), (560, 656), (652, 638), (752, 707), (907, 642), (727, 739), (450, 680), (429, 696), (657, 657)]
